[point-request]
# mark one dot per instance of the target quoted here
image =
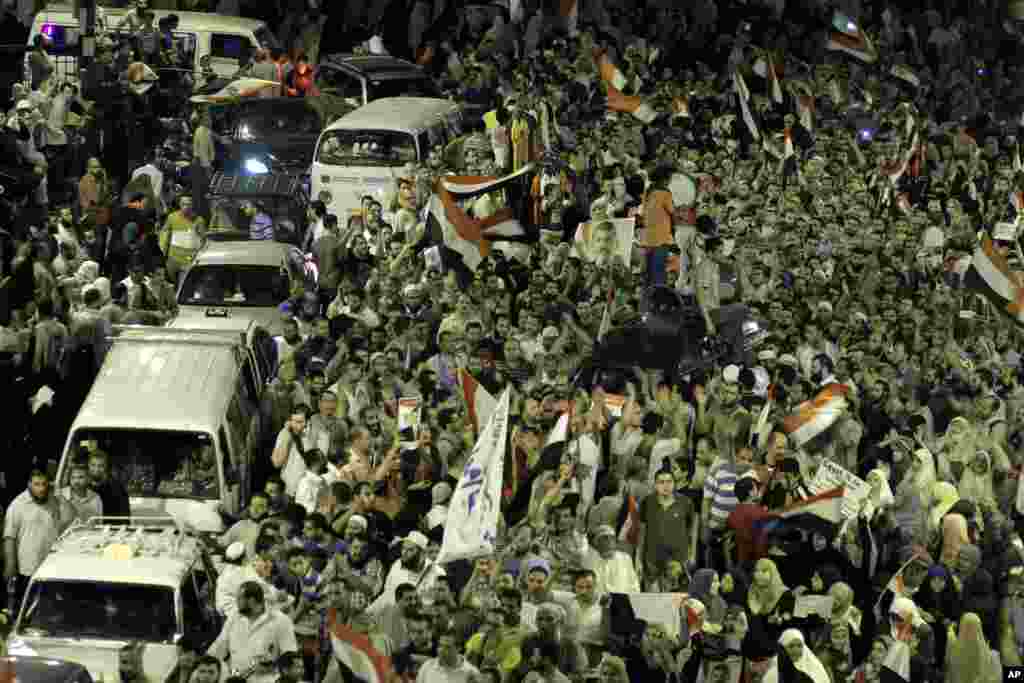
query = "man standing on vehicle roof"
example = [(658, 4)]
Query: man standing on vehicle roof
[(180, 238), (33, 523), (203, 156)]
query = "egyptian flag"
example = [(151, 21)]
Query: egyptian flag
[(609, 72), (628, 521), (467, 236), (234, 91), (635, 105), (479, 401), (358, 659), (847, 37), (814, 417), (826, 507), (990, 275)]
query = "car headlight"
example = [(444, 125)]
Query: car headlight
[(255, 167)]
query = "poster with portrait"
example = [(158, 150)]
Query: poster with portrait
[(605, 241)]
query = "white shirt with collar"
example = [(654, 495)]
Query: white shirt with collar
[(249, 641)]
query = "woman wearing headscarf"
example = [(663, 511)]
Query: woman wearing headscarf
[(1011, 618), (968, 655), (705, 587), (976, 482), (958, 445), (943, 497), (954, 536), (977, 588), (808, 667), (770, 603), (939, 604), (911, 497), (870, 670)]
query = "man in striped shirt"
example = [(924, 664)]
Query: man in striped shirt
[(720, 498)]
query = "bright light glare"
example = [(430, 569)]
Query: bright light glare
[(256, 167)]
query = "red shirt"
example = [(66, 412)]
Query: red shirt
[(751, 543)]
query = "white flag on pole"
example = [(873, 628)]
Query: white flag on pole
[(473, 514)]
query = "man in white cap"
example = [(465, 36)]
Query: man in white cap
[(413, 567)]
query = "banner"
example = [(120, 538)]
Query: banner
[(408, 420), (479, 402), (832, 476), (472, 528), (601, 246)]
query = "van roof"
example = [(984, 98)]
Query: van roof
[(406, 114), (210, 20), (165, 383), (158, 557)]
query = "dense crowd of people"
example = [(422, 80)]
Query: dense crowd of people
[(836, 171)]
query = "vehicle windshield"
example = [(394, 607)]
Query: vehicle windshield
[(155, 463), (366, 148), (403, 87), (278, 121), (234, 285), (253, 216), (108, 611)]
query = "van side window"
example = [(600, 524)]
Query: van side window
[(227, 46)]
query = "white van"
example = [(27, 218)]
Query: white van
[(225, 40), (106, 584), (361, 153), (177, 412)]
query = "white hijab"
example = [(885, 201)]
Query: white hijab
[(808, 663)]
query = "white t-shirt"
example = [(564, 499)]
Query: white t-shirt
[(433, 671), (295, 467)]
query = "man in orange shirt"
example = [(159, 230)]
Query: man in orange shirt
[(658, 212)]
